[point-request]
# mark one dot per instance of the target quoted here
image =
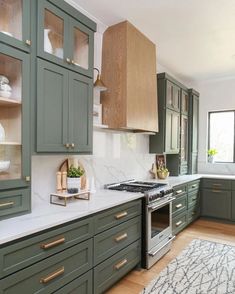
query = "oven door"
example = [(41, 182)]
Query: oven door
[(159, 222)]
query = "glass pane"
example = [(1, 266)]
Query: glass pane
[(53, 34), (10, 117), (169, 94), (184, 102), (160, 220), (81, 48), (222, 135), (11, 18)]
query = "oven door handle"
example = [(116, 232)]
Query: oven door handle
[(161, 203), (152, 254)]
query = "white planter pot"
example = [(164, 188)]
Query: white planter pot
[(210, 158), (74, 183)]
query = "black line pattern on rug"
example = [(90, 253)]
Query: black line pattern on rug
[(202, 268)]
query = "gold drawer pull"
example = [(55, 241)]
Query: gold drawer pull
[(120, 238), (179, 205), (53, 243), (52, 276), (179, 191), (7, 204), (178, 224), (216, 191), (217, 185), (28, 42), (120, 264), (121, 215)]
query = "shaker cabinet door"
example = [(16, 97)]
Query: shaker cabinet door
[(80, 113), (52, 107), (172, 132)]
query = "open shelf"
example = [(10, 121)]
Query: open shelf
[(9, 102)]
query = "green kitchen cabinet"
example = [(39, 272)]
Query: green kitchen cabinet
[(172, 139), (64, 110), (15, 120), (193, 131), (216, 203), (15, 24), (62, 38)]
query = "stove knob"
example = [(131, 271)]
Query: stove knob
[(162, 193)]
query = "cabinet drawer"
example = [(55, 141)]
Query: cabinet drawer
[(193, 213), (81, 285), (114, 268), (192, 186), (25, 253), (117, 215), (179, 223), (179, 190), (217, 184), (193, 199), (216, 203), (14, 202), (179, 205), (113, 240), (51, 274)]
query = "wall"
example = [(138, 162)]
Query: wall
[(214, 95)]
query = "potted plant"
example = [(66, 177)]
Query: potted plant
[(74, 179), (211, 153), (162, 173)]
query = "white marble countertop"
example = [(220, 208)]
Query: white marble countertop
[(45, 215)]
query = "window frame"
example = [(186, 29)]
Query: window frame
[(209, 124)]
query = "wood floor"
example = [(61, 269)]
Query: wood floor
[(134, 282)]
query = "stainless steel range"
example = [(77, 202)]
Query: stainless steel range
[(157, 228)]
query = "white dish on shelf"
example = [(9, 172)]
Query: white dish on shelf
[(4, 165), (7, 33), (5, 94)]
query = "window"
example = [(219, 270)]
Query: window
[(221, 135)]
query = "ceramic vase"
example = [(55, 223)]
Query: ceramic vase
[(74, 184), (2, 134), (210, 158)]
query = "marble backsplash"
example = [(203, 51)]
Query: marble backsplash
[(116, 157)]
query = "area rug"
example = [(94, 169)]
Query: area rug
[(202, 267)]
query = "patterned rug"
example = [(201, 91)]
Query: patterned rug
[(203, 267)]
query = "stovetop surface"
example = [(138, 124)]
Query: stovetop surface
[(136, 186)]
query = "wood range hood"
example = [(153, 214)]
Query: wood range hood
[(129, 72)]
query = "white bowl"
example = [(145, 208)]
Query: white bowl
[(4, 165), (5, 94)]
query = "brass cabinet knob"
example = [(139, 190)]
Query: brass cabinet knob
[(27, 179), (67, 145), (73, 62), (28, 42), (68, 60), (72, 145)]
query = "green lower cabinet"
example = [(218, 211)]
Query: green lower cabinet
[(233, 205), (216, 203), (193, 199), (179, 223), (113, 269), (52, 273), (81, 285), (14, 202), (193, 214)]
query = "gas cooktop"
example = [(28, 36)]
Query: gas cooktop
[(135, 186)]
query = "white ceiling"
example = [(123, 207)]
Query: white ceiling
[(195, 38)]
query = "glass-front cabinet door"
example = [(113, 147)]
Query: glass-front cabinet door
[(15, 23), (184, 139), (184, 102), (52, 33), (14, 118), (81, 49)]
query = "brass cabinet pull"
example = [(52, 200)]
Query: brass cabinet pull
[(53, 243), (72, 145), (120, 264), (67, 145), (68, 60), (27, 179), (217, 185), (178, 224), (216, 191), (28, 42), (52, 276), (121, 215), (179, 191), (179, 205), (122, 237), (7, 204)]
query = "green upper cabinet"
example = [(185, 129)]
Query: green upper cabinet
[(193, 130), (15, 23), (14, 118), (64, 40), (172, 96), (64, 110)]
